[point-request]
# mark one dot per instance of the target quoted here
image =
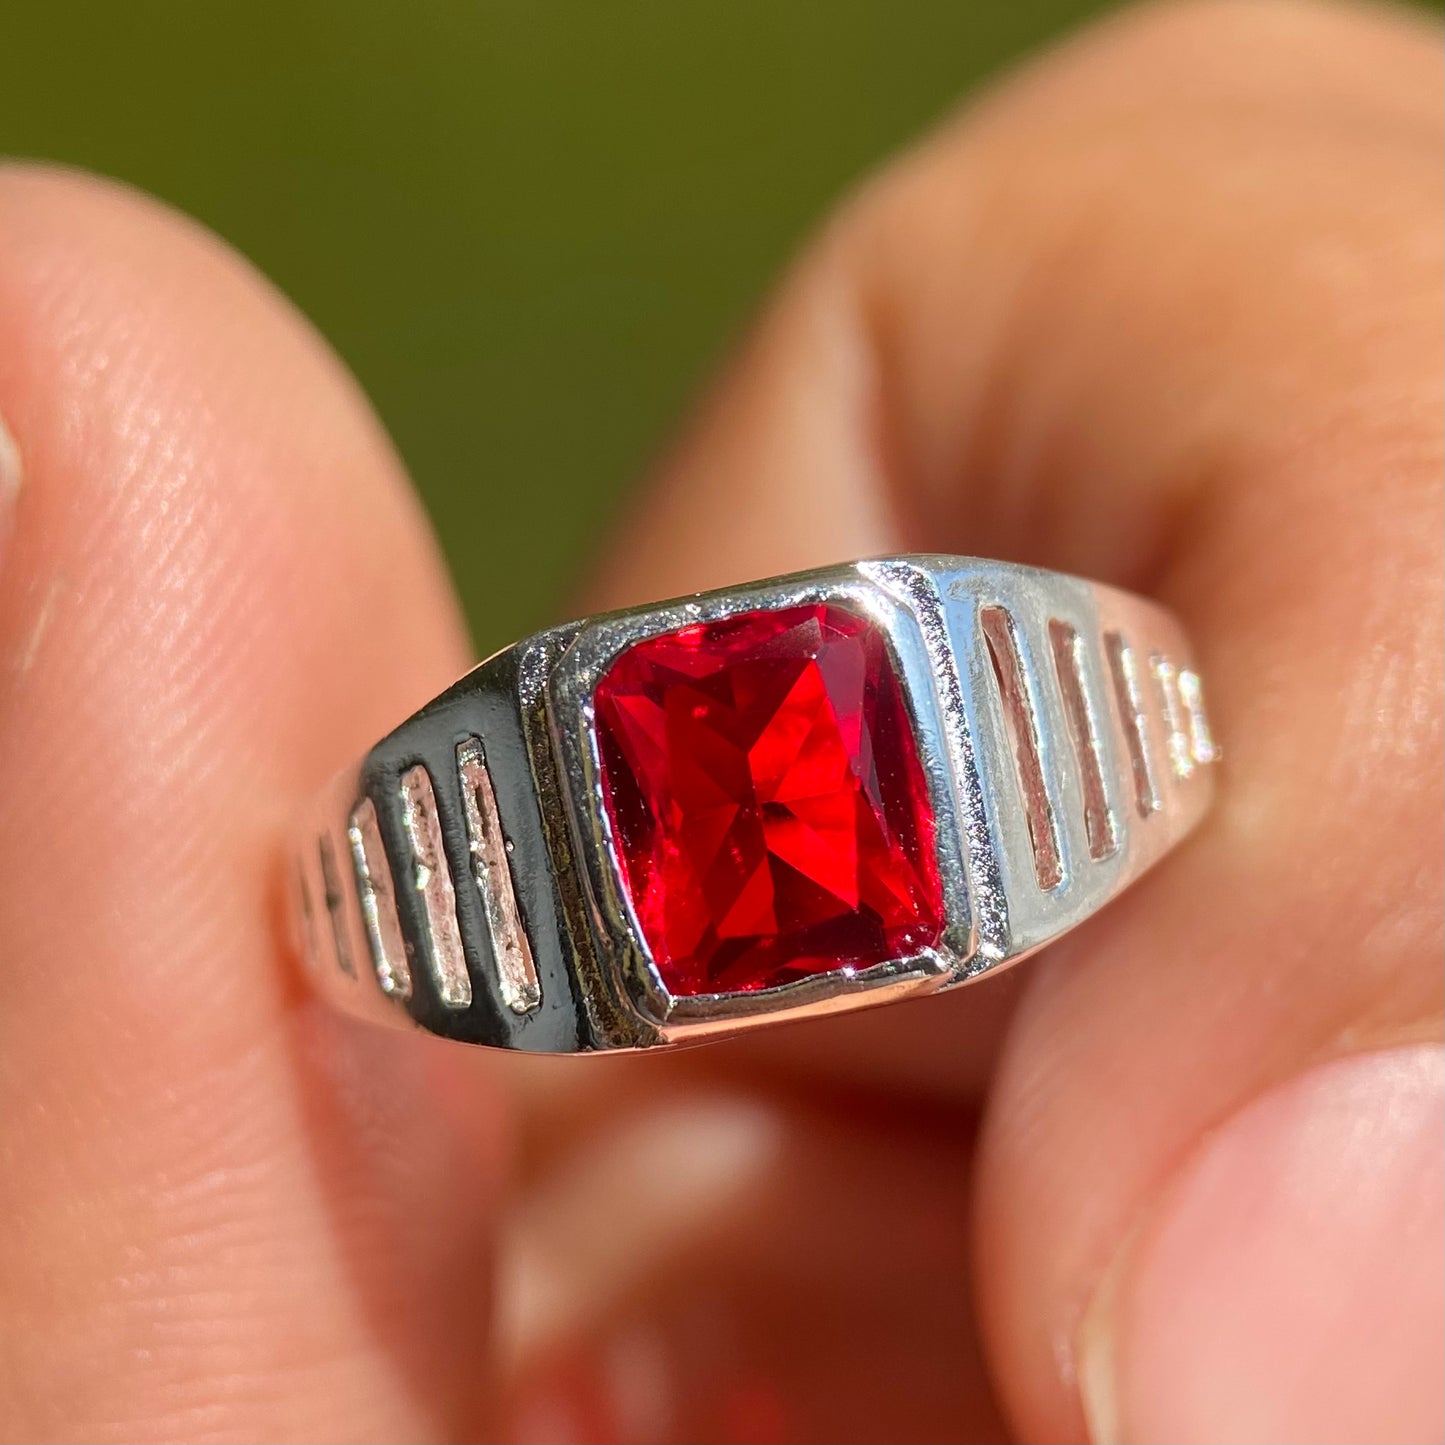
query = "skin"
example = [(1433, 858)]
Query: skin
[(1163, 310)]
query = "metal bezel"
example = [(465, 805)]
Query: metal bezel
[(625, 964)]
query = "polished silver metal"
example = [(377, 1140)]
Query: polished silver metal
[(463, 879)]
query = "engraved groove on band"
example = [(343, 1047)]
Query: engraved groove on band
[(1201, 740), (1166, 680), (432, 879), (492, 872), (309, 940), (1129, 696), (335, 900), (1100, 826), (378, 905), (1021, 721)]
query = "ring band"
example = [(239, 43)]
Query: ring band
[(815, 793)]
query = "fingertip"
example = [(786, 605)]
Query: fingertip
[(218, 588), (187, 433), (11, 475), (1287, 1283)]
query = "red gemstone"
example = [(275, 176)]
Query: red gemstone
[(764, 789)]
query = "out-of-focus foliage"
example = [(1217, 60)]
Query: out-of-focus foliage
[(530, 229)]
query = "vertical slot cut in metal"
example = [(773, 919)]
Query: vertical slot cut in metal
[(1022, 724)]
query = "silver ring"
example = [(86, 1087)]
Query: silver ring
[(816, 793)]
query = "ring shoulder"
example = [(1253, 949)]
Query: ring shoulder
[(434, 884), (1081, 742)]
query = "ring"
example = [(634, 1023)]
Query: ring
[(815, 793)]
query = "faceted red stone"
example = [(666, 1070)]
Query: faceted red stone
[(764, 789)]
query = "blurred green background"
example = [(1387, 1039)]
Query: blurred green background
[(529, 228)]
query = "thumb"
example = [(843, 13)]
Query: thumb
[(1274, 1292)]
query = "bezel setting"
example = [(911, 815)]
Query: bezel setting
[(625, 962)]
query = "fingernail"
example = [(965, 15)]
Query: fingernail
[(9, 485), (1290, 1283)]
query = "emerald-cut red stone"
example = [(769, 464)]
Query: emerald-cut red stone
[(763, 785)]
